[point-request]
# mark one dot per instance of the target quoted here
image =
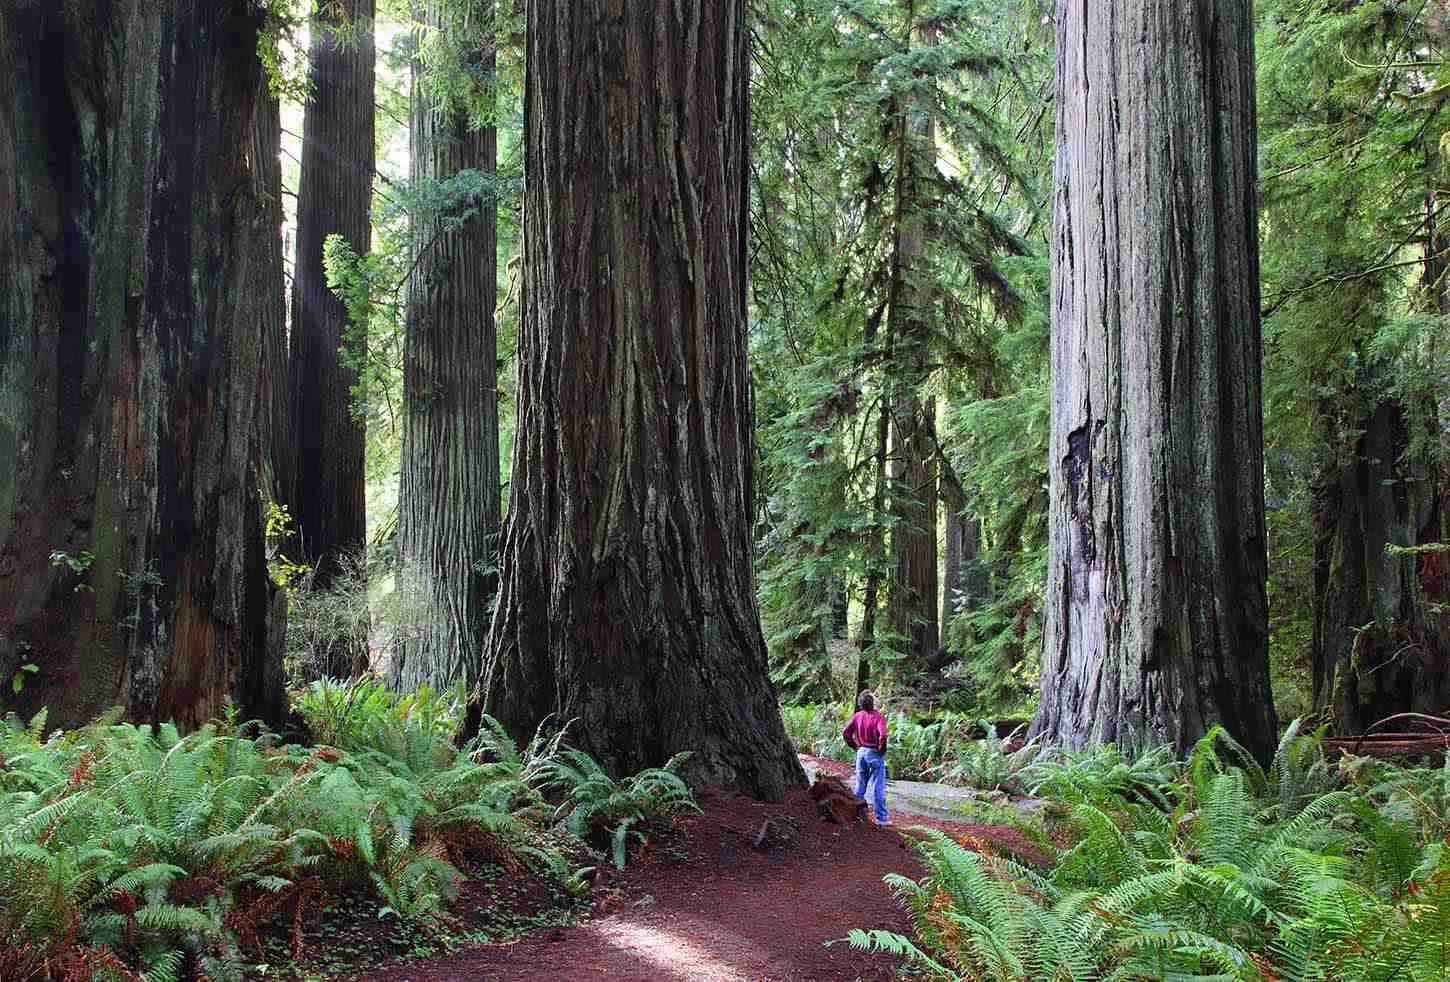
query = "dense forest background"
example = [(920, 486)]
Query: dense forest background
[(900, 231), (899, 236)]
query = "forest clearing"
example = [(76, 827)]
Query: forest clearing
[(782, 490)]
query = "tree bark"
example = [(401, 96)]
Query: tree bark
[(627, 604), (130, 219), (1377, 651), (448, 503), (278, 460), (334, 196), (912, 602), (962, 578), (1156, 622), (912, 599)]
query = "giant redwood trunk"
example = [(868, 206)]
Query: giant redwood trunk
[(129, 361), (448, 504), (627, 602), (1156, 622), (334, 196)]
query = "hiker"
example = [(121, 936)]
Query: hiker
[(866, 734)]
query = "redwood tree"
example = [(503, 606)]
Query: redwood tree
[(334, 196), (448, 503), (1378, 647), (1156, 622), (627, 604), (912, 599), (131, 216)]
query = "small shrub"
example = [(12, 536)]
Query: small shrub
[(599, 810)]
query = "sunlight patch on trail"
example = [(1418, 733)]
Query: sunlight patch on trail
[(673, 955)]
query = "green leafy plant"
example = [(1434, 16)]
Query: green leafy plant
[(599, 809), (17, 681), (988, 763), (135, 849), (1229, 872)]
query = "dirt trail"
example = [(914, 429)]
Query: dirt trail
[(702, 906)]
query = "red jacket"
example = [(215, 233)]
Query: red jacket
[(866, 729)]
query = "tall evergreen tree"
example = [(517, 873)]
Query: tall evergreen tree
[(1157, 620), (334, 197), (1356, 365), (912, 601), (448, 504), (133, 217), (880, 171), (627, 602)]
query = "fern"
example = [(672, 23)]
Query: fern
[(1212, 869)]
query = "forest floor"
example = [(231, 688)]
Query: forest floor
[(698, 904)]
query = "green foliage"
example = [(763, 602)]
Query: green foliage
[(279, 51), (989, 764), (1210, 868), (79, 565), (133, 849), (599, 809), (17, 681), (279, 529), (843, 96), (365, 715)]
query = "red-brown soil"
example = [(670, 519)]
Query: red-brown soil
[(699, 904)]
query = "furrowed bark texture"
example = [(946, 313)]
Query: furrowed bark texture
[(129, 362), (448, 505), (334, 195), (1156, 623), (913, 599), (628, 603), (1378, 649)]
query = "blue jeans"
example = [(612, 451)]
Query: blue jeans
[(871, 768)]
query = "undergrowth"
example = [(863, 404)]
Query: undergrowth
[(139, 853), (1211, 868)]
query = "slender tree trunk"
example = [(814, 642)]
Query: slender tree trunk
[(876, 544), (130, 220), (627, 602), (278, 458), (1156, 623), (912, 600), (448, 503), (334, 196), (962, 579)]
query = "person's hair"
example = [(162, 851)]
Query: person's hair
[(865, 702)]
